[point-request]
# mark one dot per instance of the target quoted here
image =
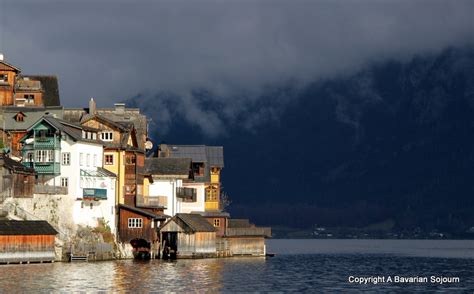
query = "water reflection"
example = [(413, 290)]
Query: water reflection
[(326, 271)]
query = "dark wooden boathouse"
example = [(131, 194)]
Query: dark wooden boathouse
[(26, 241), (189, 236)]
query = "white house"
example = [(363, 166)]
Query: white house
[(170, 186), (69, 156)]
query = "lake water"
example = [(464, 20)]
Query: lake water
[(299, 266)]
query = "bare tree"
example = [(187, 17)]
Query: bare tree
[(224, 199)]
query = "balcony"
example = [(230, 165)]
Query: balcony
[(186, 194), (93, 193), (52, 168), (46, 143), (52, 190), (251, 232), (152, 201)]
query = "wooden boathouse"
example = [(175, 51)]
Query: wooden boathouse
[(26, 241), (245, 239), (188, 236)]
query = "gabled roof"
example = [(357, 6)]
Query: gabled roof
[(142, 212), (14, 227), (166, 166), (50, 87), (16, 166), (32, 115), (195, 222), (119, 126), (6, 66), (73, 130)]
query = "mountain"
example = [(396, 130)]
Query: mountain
[(391, 142)]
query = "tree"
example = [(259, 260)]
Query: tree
[(224, 200)]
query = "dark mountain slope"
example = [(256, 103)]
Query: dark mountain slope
[(394, 141)]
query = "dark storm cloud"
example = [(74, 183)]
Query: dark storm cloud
[(113, 50)]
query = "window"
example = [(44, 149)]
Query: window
[(81, 159), (44, 155), (212, 193), (29, 98), (88, 159), (198, 169), (30, 157), (130, 159), (64, 182), (4, 77), (217, 222), (66, 158), (109, 159), (107, 136), (19, 117), (135, 223), (94, 163)]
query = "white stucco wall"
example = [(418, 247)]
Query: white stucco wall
[(199, 205), (92, 154), (167, 187)]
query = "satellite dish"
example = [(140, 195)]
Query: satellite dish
[(148, 145)]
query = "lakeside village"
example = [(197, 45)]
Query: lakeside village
[(85, 184)]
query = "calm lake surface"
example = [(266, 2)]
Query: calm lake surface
[(299, 266)]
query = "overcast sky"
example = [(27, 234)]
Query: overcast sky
[(112, 50)]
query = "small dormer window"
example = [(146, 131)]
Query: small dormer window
[(19, 117), (4, 77), (107, 136)]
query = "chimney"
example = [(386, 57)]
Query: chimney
[(119, 108), (1, 56), (92, 106)]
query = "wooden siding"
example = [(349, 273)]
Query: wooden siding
[(126, 234), (15, 243), (189, 243), (26, 248), (220, 230), (6, 91), (247, 245), (16, 185)]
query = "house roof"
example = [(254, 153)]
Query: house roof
[(14, 227), (195, 222), (168, 166), (212, 213), (142, 212), (50, 87), (16, 166), (106, 172), (73, 130), (6, 66), (32, 115), (239, 223), (213, 155)]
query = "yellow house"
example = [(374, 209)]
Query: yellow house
[(121, 156)]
